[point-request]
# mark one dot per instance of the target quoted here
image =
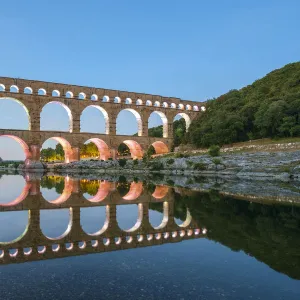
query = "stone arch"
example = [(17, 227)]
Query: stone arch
[(148, 103), (28, 90), (139, 102), (188, 107), (55, 93), (137, 222), (135, 148), (22, 104), (135, 190), (157, 103), (180, 106), (69, 153), (70, 117), (160, 147), (138, 119), (187, 221), (203, 108), (164, 120), (186, 118), (104, 113), (24, 145), (195, 108), (165, 217), (69, 94), (42, 92), (103, 191), (165, 104), (2, 87), (81, 96), (94, 97), (102, 148), (173, 105), (14, 89), (117, 100)]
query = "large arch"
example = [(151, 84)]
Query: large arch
[(104, 113), (160, 147), (70, 117), (160, 191), (104, 152), (164, 120), (187, 119), (69, 155), (138, 119), (23, 106), (136, 189), (103, 191), (135, 148)]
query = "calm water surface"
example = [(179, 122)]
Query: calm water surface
[(195, 245)]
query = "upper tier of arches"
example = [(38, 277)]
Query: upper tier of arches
[(95, 97)]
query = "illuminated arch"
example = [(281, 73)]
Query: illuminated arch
[(128, 101), (14, 89), (103, 191), (81, 96), (195, 108), (102, 148), (138, 119), (180, 106), (165, 218), (160, 147), (22, 143), (160, 191), (69, 157), (105, 99), (203, 108), (165, 104), (67, 110), (94, 97), (136, 189), (138, 221), (25, 108), (117, 100), (104, 113), (28, 90), (173, 105), (55, 93), (148, 103), (187, 221), (164, 121), (2, 87), (186, 118), (135, 149), (188, 107)]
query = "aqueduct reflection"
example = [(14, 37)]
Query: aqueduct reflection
[(35, 243)]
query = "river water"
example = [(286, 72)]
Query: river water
[(68, 238)]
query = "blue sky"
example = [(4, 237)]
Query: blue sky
[(189, 49)]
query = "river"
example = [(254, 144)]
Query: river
[(78, 238)]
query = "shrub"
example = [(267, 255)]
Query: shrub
[(200, 166), (170, 182), (122, 162), (190, 163), (181, 155), (170, 161), (216, 161), (135, 162), (157, 166), (214, 150), (110, 158)]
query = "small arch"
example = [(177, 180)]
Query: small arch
[(148, 103), (160, 147), (94, 97), (165, 105), (188, 107), (2, 87), (195, 108), (135, 149), (55, 93), (42, 92), (157, 103), (117, 100), (28, 90), (203, 108), (128, 101), (105, 99), (139, 102), (69, 94), (70, 117), (81, 96), (173, 105), (180, 106), (186, 118), (104, 151), (14, 89)]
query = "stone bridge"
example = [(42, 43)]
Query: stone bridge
[(35, 95), (33, 244)]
